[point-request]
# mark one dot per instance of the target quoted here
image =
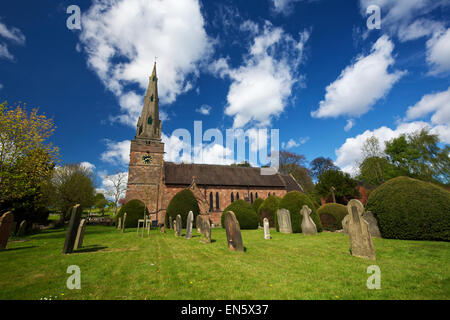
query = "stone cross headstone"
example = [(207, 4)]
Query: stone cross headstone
[(205, 230), (119, 223), (179, 224), (189, 224), (233, 231), (358, 230), (80, 234), (72, 230), (22, 229), (124, 222), (284, 221), (308, 225), (6, 222), (266, 229)]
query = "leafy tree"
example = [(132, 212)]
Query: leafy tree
[(320, 165), (100, 202), (295, 164), (341, 183)]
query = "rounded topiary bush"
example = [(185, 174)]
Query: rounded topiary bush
[(245, 214), (268, 209), (407, 208), (183, 202), (135, 210), (331, 215), (257, 203), (294, 201)]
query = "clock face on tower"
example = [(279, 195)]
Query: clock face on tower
[(147, 159)]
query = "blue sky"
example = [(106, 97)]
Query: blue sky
[(311, 69)]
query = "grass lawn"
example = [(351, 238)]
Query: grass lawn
[(124, 266)]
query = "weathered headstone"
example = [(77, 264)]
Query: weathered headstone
[(308, 225), (373, 224), (174, 224), (80, 234), (72, 230), (179, 223), (267, 214), (189, 224), (6, 222), (124, 222), (205, 230), (345, 222), (284, 221), (198, 222), (22, 229), (266, 229), (170, 223), (119, 223), (358, 230), (233, 231)]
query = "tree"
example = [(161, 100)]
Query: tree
[(100, 202), (27, 161), (116, 187), (295, 164), (72, 184), (320, 165), (339, 183)]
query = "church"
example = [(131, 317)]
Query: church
[(155, 181)]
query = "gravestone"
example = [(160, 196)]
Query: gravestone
[(170, 223), (124, 221), (80, 234), (308, 225), (179, 224), (6, 222), (205, 230), (198, 223), (189, 223), (267, 214), (284, 221), (358, 230), (373, 224), (72, 230), (119, 223), (266, 229), (345, 223), (233, 231), (22, 229)]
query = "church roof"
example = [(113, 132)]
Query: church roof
[(218, 175)]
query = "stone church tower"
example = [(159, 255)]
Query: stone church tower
[(145, 175)]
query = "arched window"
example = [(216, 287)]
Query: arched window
[(269, 194), (232, 197), (217, 202), (237, 195), (211, 202), (256, 195), (251, 197), (150, 120), (151, 98)]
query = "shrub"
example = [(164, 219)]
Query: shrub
[(270, 206), (294, 201), (245, 214), (331, 215), (183, 202), (257, 203), (135, 210), (411, 209)]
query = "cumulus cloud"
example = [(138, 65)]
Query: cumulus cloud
[(286, 7), (260, 87), (122, 38), (361, 84), (438, 54), (204, 109), (87, 165), (11, 34), (117, 153), (436, 103), (292, 143)]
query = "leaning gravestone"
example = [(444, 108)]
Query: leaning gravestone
[(233, 231), (119, 223), (179, 224), (358, 230), (22, 229), (72, 230), (205, 230), (308, 225), (266, 229), (284, 221), (373, 224), (80, 234), (189, 223), (124, 221), (6, 222), (345, 222)]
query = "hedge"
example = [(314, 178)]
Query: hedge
[(245, 214), (269, 205), (331, 216), (294, 201), (257, 203), (183, 202), (135, 211), (407, 208)]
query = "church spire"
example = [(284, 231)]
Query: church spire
[(149, 125)]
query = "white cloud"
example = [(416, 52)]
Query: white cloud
[(204, 109), (107, 186), (4, 52), (117, 153), (361, 84), (12, 34), (1, 86), (87, 165), (261, 87), (438, 55), (436, 103), (285, 7), (122, 39), (294, 143), (349, 125)]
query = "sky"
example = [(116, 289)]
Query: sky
[(322, 72)]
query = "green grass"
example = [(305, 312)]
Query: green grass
[(124, 266)]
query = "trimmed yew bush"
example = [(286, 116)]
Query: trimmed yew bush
[(331, 216), (135, 210), (181, 203), (245, 214), (407, 208), (257, 203)]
